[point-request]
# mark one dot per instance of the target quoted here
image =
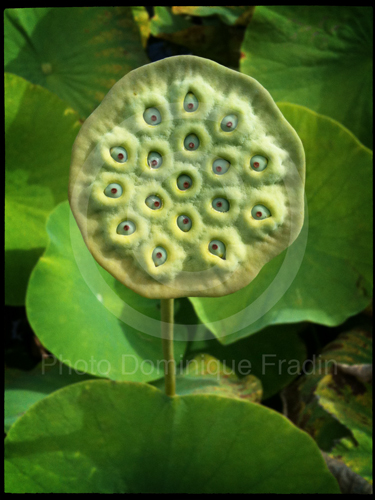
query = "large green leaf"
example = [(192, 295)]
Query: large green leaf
[(164, 22), (142, 19), (238, 14), (351, 348), (77, 53), (350, 401), (206, 374), (334, 280), (105, 437), (39, 133), (275, 355), (319, 57), (24, 388), (212, 39), (90, 323)]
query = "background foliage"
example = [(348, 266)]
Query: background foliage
[(76, 426)]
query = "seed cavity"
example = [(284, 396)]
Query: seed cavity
[(220, 166), (260, 212), (154, 202), (184, 182), (217, 247), (126, 227), (191, 142), (229, 123), (154, 160), (152, 116), (184, 223), (258, 163), (119, 154), (113, 191), (159, 256), (190, 103), (220, 205)]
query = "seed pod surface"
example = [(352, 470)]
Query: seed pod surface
[(187, 179)]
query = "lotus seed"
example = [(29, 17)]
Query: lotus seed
[(260, 212), (229, 123), (220, 166), (258, 163), (190, 103), (153, 202), (119, 154), (113, 191), (220, 204), (184, 223), (154, 160), (126, 227), (184, 182), (191, 142), (217, 247), (159, 256), (152, 116)]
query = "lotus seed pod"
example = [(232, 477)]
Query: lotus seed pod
[(180, 136)]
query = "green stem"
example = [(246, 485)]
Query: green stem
[(167, 341)]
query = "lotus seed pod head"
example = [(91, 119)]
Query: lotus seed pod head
[(187, 179)]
